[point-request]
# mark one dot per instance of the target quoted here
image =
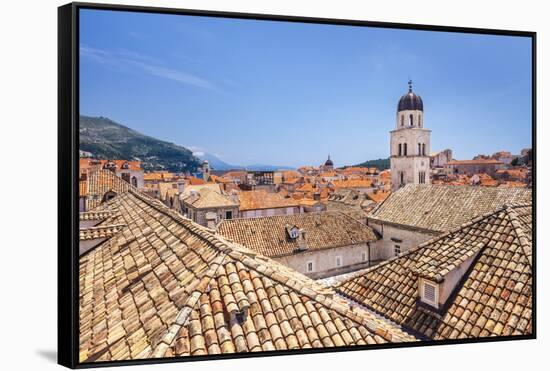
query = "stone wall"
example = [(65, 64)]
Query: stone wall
[(324, 261), (413, 162), (270, 212), (393, 235), (471, 169), (199, 215)]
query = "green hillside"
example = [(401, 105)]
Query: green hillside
[(380, 164), (107, 139)]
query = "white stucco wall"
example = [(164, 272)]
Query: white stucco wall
[(324, 261), (270, 212), (392, 235)]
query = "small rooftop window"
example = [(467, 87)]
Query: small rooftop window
[(429, 293)]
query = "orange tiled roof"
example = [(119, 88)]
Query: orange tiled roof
[(352, 183), (512, 184), (164, 286), (386, 174), (309, 201), (291, 181), (234, 174), (514, 173), (489, 182), (494, 298), (378, 196), (489, 161), (307, 187), (269, 235), (291, 174), (219, 179), (159, 175), (483, 176), (254, 200), (87, 163), (195, 181)]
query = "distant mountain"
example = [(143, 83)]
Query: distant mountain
[(107, 139), (261, 167), (380, 164), (215, 162), (218, 164)]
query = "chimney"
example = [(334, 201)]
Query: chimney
[(302, 241), (211, 220), (181, 186), (234, 196)]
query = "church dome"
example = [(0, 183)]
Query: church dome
[(410, 101), (329, 162)]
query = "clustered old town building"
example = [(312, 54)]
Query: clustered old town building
[(239, 261)]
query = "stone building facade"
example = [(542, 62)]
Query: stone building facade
[(439, 159), (207, 207), (315, 244), (410, 143), (471, 167), (415, 214)]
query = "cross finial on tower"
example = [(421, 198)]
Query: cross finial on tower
[(410, 86)]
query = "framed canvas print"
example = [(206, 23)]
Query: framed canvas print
[(238, 185)]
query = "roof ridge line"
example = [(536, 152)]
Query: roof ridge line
[(518, 230), (103, 226), (280, 216), (469, 223), (423, 245), (203, 232), (235, 251), (375, 209), (311, 291)]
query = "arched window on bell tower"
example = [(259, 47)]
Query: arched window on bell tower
[(399, 149), (404, 149), (423, 149), (402, 120), (411, 120), (419, 149)]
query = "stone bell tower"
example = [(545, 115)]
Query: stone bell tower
[(410, 143)]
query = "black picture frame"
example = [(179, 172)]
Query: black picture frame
[(68, 139)]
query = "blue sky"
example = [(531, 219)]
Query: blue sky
[(289, 93)]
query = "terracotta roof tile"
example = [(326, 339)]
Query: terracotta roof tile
[(254, 200), (493, 299), (379, 196), (99, 182), (164, 286), (352, 183), (482, 161), (102, 231), (269, 236), (208, 198), (95, 215), (443, 207)]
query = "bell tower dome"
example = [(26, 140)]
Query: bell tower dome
[(410, 143)]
